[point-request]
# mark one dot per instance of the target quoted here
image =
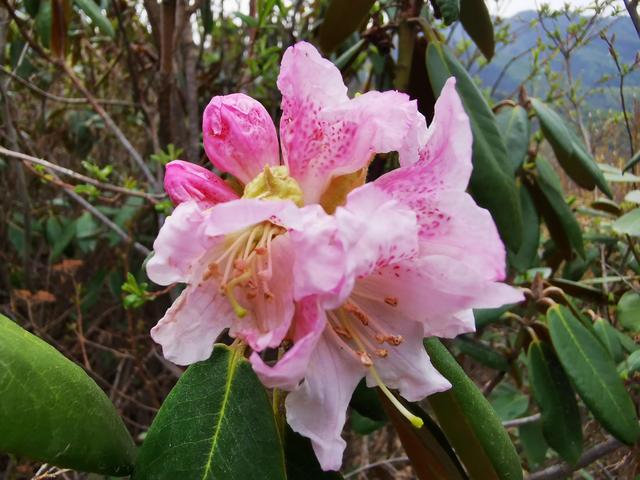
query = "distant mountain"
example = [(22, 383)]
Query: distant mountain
[(588, 64)]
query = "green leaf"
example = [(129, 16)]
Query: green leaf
[(569, 150), (508, 402), (431, 455), (366, 402), (302, 463), (513, 123), (492, 183), (206, 15), (364, 425), (449, 9), (629, 311), (552, 391), (52, 411), (475, 18), (485, 316), (43, 22), (470, 423), (609, 339), (482, 353), (632, 162), (533, 443), (341, 20), (628, 224), (217, 422), (528, 252), (562, 224), (94, 12), (593, 374)]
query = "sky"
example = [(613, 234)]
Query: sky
[(506, 8)]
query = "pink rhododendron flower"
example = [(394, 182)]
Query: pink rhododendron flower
[(352, 276), (421, 255), (234, 250)]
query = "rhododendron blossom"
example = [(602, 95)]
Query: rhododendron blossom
[(233, 250), (347, 278)]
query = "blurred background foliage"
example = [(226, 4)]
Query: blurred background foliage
[(98, 97)]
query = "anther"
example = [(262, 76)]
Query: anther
[(342, 332), (380, 338), (382, 352), (356, 312), (394, 340), (240, 264), (393, 301), (268, 295), (212, 271), (365, 359), (260, 250)]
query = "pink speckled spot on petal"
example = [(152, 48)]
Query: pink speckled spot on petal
[(324, 134), (239, 136)]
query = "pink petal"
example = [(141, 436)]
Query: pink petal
[(317, 409), (407, 366), (320, 255), (185, 181), (236, 215), (239, 136), (377, 230), (446, 152), (190, 327), (308, 324), (270, 318), (450, 221), (174, 258), (434, 290), (324, 134)]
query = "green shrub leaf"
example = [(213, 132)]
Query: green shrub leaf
[(52, 411)]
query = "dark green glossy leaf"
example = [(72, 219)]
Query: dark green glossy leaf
[(43, 23), (593, 374), (569, 150), (514, 126), (629, 311), (217, 422), (366, 402), (609, 339), (476, 21), (206, 14), (554, 395), (364, 425), (492, 183), (449, 10), (528, 252), (508, 402), (533, 443), (579, 290), (482, 353), (341, 20), (431, 455), (485, 316), (53, 412), (470, 423), (562, 224), (632, 162), (302, 463), (95, 14)]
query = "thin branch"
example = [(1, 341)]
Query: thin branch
[(57, 98), (521, 421), (153, 198), (103, 218), (562, 470), (376, 464), (632, 8)]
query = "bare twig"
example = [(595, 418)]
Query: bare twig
[(376, 464), (151, 197), (562, 470), (521, 421), (57, 98)]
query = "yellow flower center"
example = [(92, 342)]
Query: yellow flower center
[(274, 183)]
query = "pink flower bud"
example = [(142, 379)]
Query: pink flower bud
[(184, 181), (239, 136)]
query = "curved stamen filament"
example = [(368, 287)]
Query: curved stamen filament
[(238, 309), (360, 342)]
